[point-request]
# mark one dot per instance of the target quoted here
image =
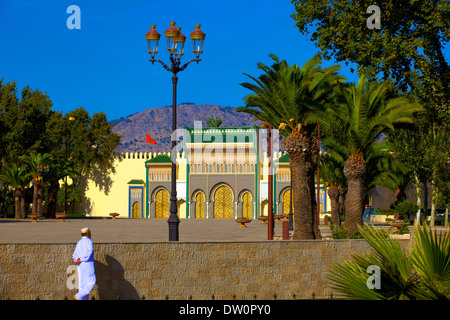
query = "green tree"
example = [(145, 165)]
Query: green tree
[(57, 171), (421, 272), (33, 162), (286, 96), (23, 120), (17, 178), (407, 48), (362, 113), (443, 186), (331, 172), (424, 151), (214, 122), (395, 176), (87, 143), (29, 126), (91, 143)]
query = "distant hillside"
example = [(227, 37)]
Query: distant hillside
[(157, 122)]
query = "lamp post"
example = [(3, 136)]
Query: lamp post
[(175, 45), (66, 155)]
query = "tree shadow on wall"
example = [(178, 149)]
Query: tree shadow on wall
[(111, 283)]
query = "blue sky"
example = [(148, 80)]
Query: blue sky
[(104, 65)]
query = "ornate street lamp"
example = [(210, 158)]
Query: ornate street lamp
[(66, 155), (175, 45)]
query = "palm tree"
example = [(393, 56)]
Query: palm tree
[(331, 172), (420, 272), (285, 96), (353, 125), (17, 178), (33, 161), (396, 177), (214, 122)]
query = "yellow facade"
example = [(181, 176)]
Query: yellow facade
[(119, 191)]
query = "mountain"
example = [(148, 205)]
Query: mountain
[(157, 123)]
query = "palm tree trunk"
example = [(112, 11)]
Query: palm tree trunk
[(301, 198), (40, 197), (17, 214), (35, 195), (300, 148), (354, 171), (52, 199), (22, 204), (342, 194), (314, 203), (333, 194)]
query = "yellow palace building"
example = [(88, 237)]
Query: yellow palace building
[(222, 173)]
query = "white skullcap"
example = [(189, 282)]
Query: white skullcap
[(84, 230)]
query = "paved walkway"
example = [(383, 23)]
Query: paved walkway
[(133, 230)]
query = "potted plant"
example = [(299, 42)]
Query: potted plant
[(243, 221), (263, 219), (278, 216), (114, 215), (394, 223), (34, 216), (61, 216)]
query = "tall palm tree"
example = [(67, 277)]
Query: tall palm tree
[(396, 177), (353, 125), (285, 96), (33, 161), (214, 122), (17, 178), (331, 172)]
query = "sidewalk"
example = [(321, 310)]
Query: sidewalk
[(133, 230)]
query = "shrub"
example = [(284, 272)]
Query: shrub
[(422, 272), (342, 233), (406, 208)]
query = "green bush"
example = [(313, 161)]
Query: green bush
[(421, 272), (406, 208), (403, 228), (342, 233)]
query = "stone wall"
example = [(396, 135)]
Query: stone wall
[(177, 270)]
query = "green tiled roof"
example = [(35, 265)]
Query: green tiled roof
[(136, 181), (220, 134), (161, 158), (284, 158)]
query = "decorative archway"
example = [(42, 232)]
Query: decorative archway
[(264, 208), (287, 202), (200, 205), (136, 210), (247, 205), (162, 203), (223, 202)]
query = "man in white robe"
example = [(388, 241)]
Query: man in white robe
[(83, 256)]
